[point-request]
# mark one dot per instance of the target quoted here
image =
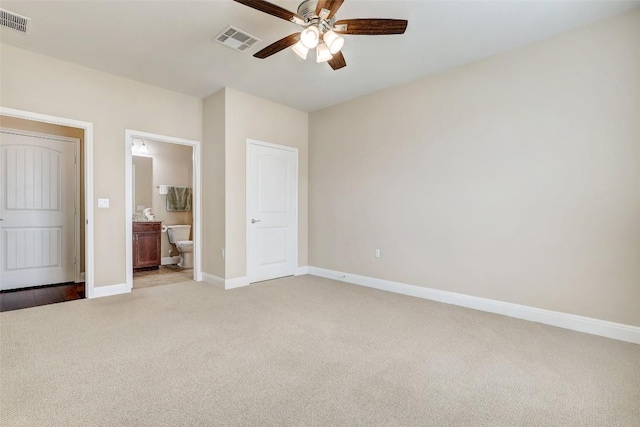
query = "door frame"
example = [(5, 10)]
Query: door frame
[(87, 127), (249, 177), (76, 186), (130, 135)]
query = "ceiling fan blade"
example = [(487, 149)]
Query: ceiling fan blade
[(331, 5), (337, 61), (276, 47), (273, 10), (371, 27)]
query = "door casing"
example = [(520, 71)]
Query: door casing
[(130, 135), (87, 127)]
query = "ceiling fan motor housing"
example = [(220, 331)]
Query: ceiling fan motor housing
[(307, 9)]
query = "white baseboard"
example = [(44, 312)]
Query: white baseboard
[(226, 284), (300, 271), (214, 280), (106, 291), (574, 322), (236, 282), (170, 260)]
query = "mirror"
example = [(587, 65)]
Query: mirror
[(142, 183)]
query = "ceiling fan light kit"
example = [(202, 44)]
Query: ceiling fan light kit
[(334, 41), (300, 50), (322, 53), (310, 37), (321, 31)]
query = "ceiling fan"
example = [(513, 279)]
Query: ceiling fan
[(321, 31)]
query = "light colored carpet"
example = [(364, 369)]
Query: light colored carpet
[(303, 351)]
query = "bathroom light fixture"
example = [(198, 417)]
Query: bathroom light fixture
[(138, 147), (143, 148)]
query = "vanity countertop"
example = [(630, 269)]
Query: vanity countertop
[(138, 217)]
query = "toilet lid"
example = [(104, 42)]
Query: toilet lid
[(184, 242)]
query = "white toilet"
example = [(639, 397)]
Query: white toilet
[(179, 236)]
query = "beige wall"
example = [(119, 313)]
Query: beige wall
[(172, 165), (34, 82), (51, 129), (249, 117), (213, 171), (514, 178)]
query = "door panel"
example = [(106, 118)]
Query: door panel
[(28, 248), (272, 185), (273, 206), (37, 205), (272, 244)]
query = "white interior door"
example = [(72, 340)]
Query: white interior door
[(272, 211), (37, 205)]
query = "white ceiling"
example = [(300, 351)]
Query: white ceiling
[(168, 43)]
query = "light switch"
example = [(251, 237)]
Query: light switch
[(103, 203)]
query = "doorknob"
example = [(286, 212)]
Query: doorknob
[(253, 221)]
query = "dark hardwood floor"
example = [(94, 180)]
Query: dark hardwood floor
[(41, 295)]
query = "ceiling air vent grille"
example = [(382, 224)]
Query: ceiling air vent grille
[(236, 39), (14, 21)]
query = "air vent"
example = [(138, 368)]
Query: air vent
[(236, 39), (15, 21)]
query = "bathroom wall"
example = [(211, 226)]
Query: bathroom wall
[(172, 165), (51, 129)]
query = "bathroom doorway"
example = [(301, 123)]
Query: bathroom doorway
[(162, 210)]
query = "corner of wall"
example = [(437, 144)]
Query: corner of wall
[(213, 174)]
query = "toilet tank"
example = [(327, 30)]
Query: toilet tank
[(178, 233)]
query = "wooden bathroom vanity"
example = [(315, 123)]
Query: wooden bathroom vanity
[(146, 245)]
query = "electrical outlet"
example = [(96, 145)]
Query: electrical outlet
[(103, 203), (377, 253)]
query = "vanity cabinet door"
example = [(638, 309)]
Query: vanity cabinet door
[(146, 246)]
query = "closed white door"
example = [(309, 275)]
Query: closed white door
[(272, 211), (37, 206)]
